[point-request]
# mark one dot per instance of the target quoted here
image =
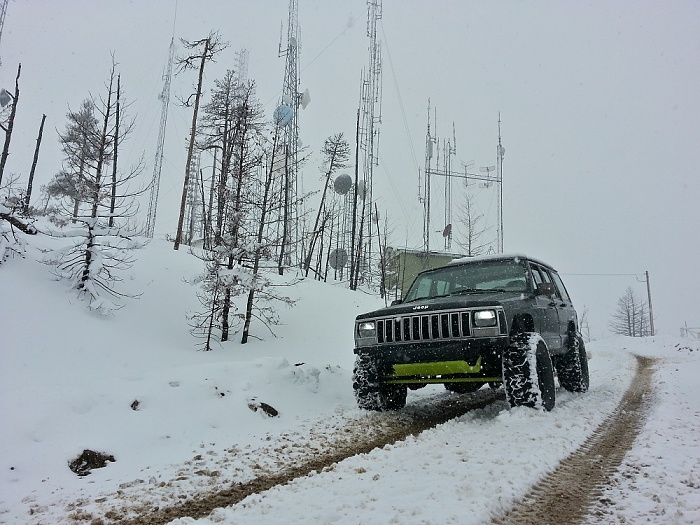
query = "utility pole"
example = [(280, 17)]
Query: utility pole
[(500, 152), (651, 311)]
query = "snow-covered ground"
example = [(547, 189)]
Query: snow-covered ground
[(69, 378)]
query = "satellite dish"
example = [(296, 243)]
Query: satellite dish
[(305, 99), (342, 184), (287, 100), (283, 115), (292, 42), (501, 151), (338, 258), (5, 98)]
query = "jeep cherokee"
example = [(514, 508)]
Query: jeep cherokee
[(478, 320)]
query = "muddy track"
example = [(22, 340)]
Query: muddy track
[(563, 497), (566, 495), (386, 428)]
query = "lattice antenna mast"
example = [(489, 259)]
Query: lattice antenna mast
[(291, 98), (425, 198), (370, 118), (242, 66), (500, 152), (158, 163), (3, 11), (449, 151)]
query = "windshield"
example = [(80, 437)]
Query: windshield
[(478, 277)]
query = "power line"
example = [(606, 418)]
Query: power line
[(604, 274)]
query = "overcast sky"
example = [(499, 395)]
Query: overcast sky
[(599, 104)]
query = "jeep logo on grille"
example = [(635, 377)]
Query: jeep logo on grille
[(421, 307)]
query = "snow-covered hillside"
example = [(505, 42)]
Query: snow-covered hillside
[(134, 385)]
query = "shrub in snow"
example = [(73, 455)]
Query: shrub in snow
[(88, 460)]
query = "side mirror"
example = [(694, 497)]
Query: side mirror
[(396, 301), (546, 289)]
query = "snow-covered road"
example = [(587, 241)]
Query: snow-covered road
[(69, 382)]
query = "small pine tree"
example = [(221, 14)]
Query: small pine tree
[(105, 235)]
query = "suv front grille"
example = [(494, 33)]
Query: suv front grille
[(427, 327)]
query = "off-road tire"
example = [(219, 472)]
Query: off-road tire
[(572, 367), (528, 373), (463, 388), (370, 392)]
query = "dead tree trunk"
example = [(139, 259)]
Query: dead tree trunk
[(102, 152), (353, 284), (113, 199), (10, 125), (190, 148), (34, 162), (257, 254)]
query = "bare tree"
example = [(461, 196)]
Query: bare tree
[(261, 292), (210, 47), (8, 125), (631, 318), (471, 221), (30, 184), (336, 152), (11, 242), (387, 257), (584, 325), (233, 124)]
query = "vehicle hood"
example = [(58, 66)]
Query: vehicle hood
[(425, 306)]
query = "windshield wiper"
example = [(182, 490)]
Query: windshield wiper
[(468, 290)]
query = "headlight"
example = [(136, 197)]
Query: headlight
[(485, 318), (366, 329)]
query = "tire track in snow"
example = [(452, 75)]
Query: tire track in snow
[(361, 435), (565, 496)]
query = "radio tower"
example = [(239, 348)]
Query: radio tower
[(158, 163), (370, 118), (289, 143)]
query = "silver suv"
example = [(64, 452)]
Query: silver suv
[(480, 320)]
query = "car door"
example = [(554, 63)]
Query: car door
[(546, 307), (567, 312)]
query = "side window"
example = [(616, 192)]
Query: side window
[(536, 275), (560, 286), (545, 275), (548, 279)]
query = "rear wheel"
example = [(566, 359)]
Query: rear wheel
[(370, 392), (572, 367), (528, 374)]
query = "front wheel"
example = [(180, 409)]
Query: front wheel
[(528, 373), (370, 392)]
